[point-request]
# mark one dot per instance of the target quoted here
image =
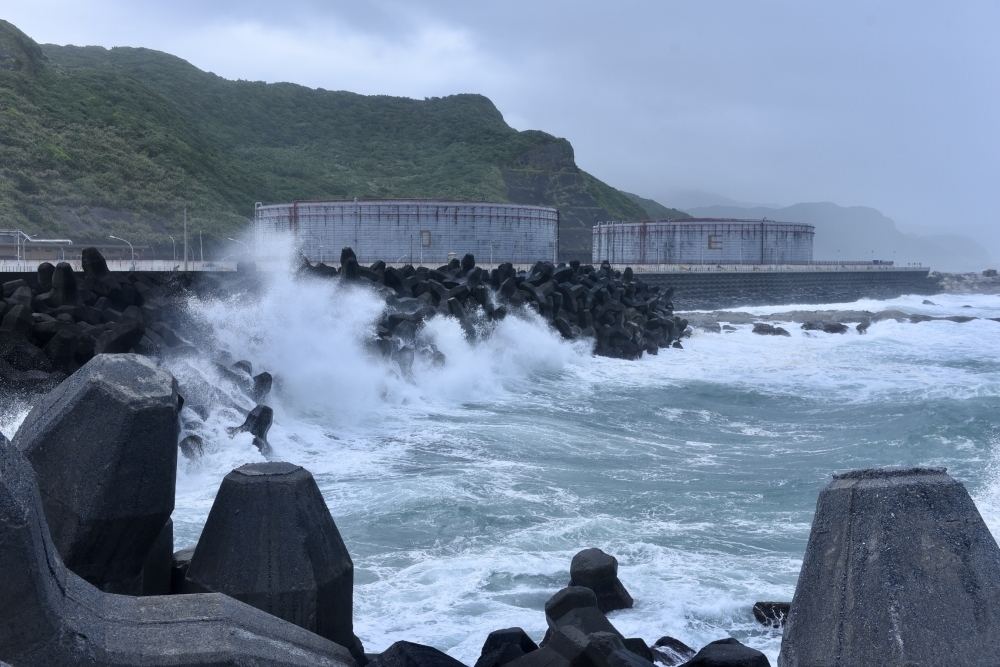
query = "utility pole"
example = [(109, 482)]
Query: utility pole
[(185, 240), (201, 248)]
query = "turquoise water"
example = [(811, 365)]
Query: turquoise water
[(463, 493)]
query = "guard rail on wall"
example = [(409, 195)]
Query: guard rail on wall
[(124, 265), (766, 268)]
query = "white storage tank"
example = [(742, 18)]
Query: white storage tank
[(416, 230), (704, 241)]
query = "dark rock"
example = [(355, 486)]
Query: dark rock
[(12, 286), (728, 653), (468, 262), (23, 295), (104, 447), (257, 423), (261, 386), (21, 354), (51, 617), (18, 321), (671, 652), (271, 542), (120, 338), (764, 329), (244, 365), (504, 646), (64, 288), (61, 349), (192, 446), (45, 271), (900, 569), (577, 606), (94, 265), (771, 614), (596, 570), (928, 302), (606, 649), (597, 649), (563, 326), (408, 654), (156, 569), (132, 314), (863, 326), (167, 334), (546, 656), (179, 564), (834, 328), (638, 646)]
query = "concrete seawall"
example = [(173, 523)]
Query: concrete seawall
[(712, 290), (709, 287)]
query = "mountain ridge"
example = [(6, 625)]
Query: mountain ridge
[(865, 233), (119, 141)]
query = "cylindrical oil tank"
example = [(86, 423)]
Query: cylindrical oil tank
[(416, 230), (704, 241)]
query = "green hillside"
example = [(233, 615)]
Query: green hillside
[(655, 210), (96, 141)]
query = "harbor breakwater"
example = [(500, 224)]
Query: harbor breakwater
[(270, 580), (241, 369), (711, 287)]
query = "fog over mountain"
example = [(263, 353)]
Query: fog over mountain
[(890, 104), (860, 232)]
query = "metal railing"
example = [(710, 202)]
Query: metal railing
[(123, 265), (769, 268)]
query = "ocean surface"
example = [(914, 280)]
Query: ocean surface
[(463, 492)]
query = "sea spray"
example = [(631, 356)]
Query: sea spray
[(463, 491)]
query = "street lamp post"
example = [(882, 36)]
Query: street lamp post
[(174, 265), (240, 242), (321, 254), (131, 250)]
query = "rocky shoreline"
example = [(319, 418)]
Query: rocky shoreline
[(986, 282), (54, 322), (88, 482), (826, 321), (622, 314), (87, 487)]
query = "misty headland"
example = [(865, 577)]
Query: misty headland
[(467, 463)]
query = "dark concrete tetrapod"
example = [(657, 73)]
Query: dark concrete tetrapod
[(271, 542), (598, 571), (49, 616), (103, 445), (900, 569)]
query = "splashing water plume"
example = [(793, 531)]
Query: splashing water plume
[(463, 490)]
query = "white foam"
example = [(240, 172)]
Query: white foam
[(464, 491)]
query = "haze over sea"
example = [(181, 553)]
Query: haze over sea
[(463, 492)]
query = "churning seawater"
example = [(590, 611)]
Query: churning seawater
[(463, 492)]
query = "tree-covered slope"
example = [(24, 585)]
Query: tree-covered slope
[(96, 141), (655, 210)]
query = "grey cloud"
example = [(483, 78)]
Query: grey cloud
[(889, 104)]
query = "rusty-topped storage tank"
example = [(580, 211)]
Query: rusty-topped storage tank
[(704, 241), (416, 230)]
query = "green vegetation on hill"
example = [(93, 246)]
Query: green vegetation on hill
[(96, 141), (655, 210)]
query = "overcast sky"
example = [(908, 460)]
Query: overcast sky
[(892, 105)]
